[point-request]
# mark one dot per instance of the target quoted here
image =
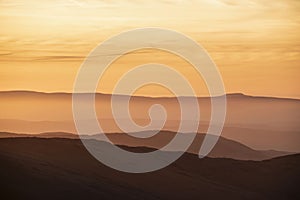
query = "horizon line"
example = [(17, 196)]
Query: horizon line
[(152, 97)]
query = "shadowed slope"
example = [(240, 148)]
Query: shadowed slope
[(63, 169)]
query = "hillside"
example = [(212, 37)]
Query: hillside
[(33, 168)]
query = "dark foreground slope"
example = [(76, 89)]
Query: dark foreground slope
[(35, 168)]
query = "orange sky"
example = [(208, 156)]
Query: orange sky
[(255, 43)]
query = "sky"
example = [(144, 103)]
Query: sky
[(254, 43)]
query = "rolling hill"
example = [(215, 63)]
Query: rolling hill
[(224, 148)]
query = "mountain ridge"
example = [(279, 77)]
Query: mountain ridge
[(225, 148), (235, 94)]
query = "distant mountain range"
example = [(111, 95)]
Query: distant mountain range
[(259, 122)]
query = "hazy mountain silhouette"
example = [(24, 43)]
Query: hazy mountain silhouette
[(259, 122)]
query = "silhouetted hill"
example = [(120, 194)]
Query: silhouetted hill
[(35, 168), (224, 148)]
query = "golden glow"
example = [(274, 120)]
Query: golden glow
[(255, 43)]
